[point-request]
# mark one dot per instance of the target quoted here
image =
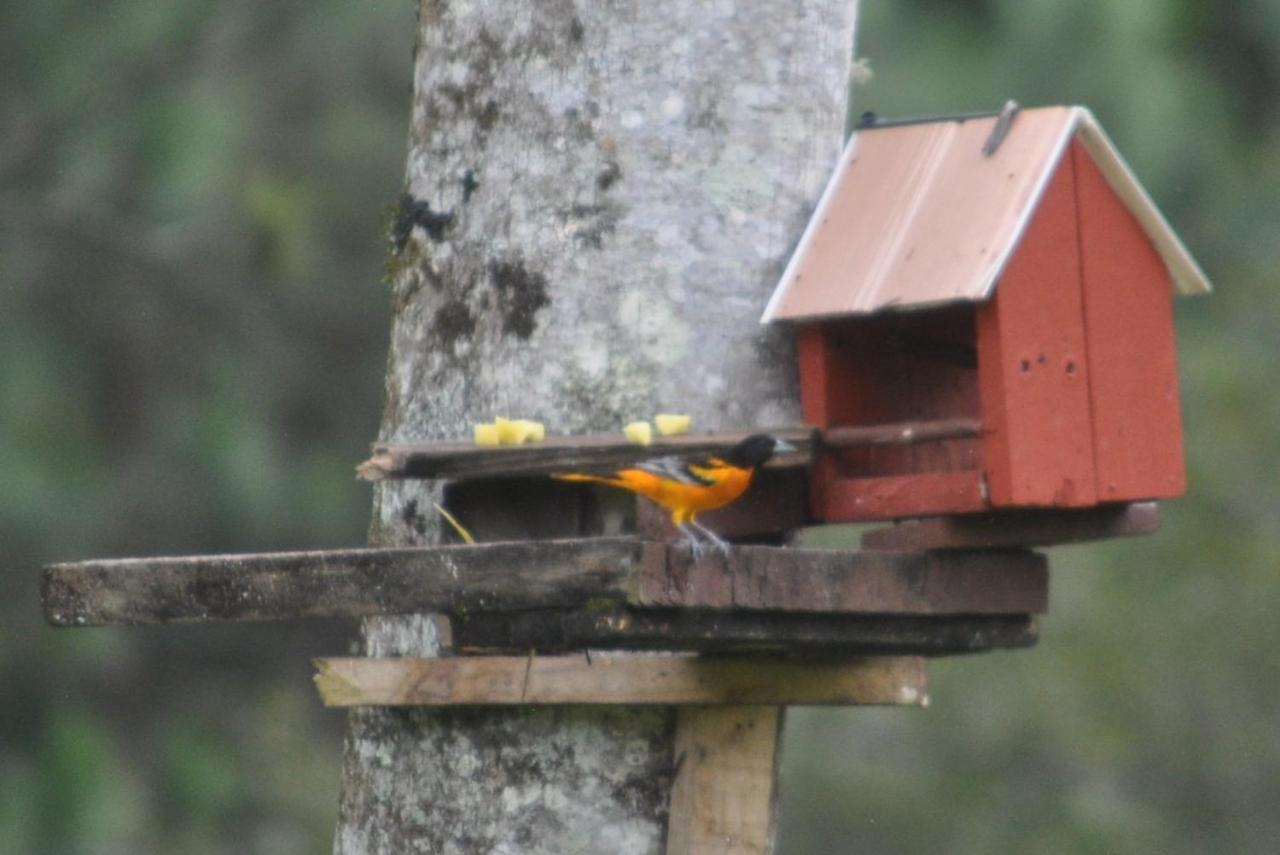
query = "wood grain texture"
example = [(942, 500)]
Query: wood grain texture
[(338, 583), (1017, 528), (445, 459), (811, 580), (724, 797), (584, 573), (628, 678), (457, 459), (556, 630), (1133, 371)]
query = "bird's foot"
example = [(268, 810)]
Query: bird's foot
[(696, 547), (719, 543)]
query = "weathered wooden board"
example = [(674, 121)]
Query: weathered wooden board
[(550, 630), (724, 796), (812, 580), (537, 574), (462, 459), (1017, 528), (554, 454), (618, 679), (339, 583)]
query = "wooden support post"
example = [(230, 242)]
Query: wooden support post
[(725, 794)]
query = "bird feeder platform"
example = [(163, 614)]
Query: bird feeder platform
[(549, 614)]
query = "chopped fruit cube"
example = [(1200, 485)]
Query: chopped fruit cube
[(670, 424), (639, 433), (536, 431), (511, 432), (487, 434)]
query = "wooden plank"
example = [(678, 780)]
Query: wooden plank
[(891, 496), (1017, 528), (1133, 371), (555, 454), (550, 630), (724, 796), (813, 580), (339, 583), (566, 453), (617, 679), (1033, 367)]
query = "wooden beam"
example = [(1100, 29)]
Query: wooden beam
[(618, 679), (1017, 528), (554, 454), (339, 583), (815, 580), (524, 575), (462, 459), (555, 630), (724, 797)]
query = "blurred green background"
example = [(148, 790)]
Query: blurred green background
[(192, 338)]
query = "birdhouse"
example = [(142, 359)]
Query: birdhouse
[(999, 290)]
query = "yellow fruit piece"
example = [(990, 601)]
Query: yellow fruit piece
[(535, 431), (487, 434), (511, 431), (638, 433), (670, 424)]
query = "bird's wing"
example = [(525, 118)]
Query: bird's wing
[(677, 469)]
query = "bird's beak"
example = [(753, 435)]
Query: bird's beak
[(783, 447)]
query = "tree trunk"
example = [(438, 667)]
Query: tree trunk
[(600, 197)]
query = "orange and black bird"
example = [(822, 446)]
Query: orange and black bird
[(686, 487)]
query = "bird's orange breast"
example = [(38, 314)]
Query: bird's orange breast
[(728, 483)]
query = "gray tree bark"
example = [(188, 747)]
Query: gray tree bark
[(600, 197)]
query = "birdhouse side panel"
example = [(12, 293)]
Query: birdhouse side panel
[(1033, 365), (1133, 373)]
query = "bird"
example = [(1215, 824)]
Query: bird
[(687, 487)]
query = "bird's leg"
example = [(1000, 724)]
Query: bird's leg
[(717, 541), (696, 546)]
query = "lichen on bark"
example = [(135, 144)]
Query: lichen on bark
[(600, 198)]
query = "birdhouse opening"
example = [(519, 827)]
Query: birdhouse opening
[(916, 370)]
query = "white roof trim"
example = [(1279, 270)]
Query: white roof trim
[(1186, 274)]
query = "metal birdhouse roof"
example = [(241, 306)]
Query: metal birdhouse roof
[(919, 214)]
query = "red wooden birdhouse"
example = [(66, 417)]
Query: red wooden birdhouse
[(1004, 287)]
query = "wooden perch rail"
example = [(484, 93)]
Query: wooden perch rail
[(670, 679), (538, 575), (452, 459)]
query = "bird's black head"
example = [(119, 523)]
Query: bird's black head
[(755, 450)]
